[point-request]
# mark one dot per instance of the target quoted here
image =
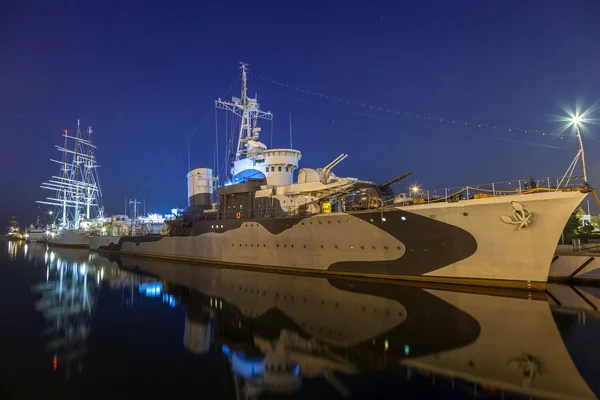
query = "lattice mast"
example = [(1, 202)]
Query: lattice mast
[(249, 112)]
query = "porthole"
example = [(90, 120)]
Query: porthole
[(465, 214), (304, 246), (399, 248), (329, 222), (336, 246), (321, 246), (385, 247), (362, 247), (374, 247)]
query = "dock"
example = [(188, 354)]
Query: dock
[(581, 267)]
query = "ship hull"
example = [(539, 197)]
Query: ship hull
[(497, 241), (36, 236), (71, 238)]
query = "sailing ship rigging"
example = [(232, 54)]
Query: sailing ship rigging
[(77, 194)]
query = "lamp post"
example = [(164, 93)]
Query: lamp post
[(577, 120)]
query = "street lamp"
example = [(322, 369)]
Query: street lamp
[(577, 120)]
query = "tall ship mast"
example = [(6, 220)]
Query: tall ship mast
[(328, 224), (77, 196)]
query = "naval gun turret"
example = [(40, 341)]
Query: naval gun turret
[(386, 188), (370, 195)]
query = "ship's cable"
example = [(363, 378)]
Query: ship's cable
[(177, 153), (174, 157), (416, 116), (421, 125)]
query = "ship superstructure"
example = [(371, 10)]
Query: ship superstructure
[(36, 232), (349, 226)]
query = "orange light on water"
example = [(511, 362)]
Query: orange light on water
[(54, 363)]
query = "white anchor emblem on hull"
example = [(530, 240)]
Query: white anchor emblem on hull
[(521, 216)]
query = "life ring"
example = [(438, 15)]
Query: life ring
[(238, 215)]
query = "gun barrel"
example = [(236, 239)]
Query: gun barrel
[(335, 162), (394, 180)]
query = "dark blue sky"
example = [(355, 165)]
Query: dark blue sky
[(145, 74)]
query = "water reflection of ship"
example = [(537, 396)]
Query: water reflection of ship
[(67, 299), (277, 329)]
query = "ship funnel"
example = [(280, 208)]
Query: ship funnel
[(199, 331), (200, 188)]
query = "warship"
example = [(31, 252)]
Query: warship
[(278, 330), (318, 222)]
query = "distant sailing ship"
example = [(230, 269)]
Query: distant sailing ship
[(13, 231), (77, 192), (348, 226)]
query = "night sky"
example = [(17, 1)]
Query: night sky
[(145, 74)]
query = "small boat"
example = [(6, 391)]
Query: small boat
[(36, 232)]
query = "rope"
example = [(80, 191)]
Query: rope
[(175, 156), (422, 125)]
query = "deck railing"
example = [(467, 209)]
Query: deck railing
[(520, 186), (416, 196)]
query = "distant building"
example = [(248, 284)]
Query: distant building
[(586, 219)]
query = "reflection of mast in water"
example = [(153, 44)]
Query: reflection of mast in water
[(13, 247), (67, 300)]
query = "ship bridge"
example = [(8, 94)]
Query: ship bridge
[(277, 166)]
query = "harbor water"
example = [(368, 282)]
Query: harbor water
[(79, 324)]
